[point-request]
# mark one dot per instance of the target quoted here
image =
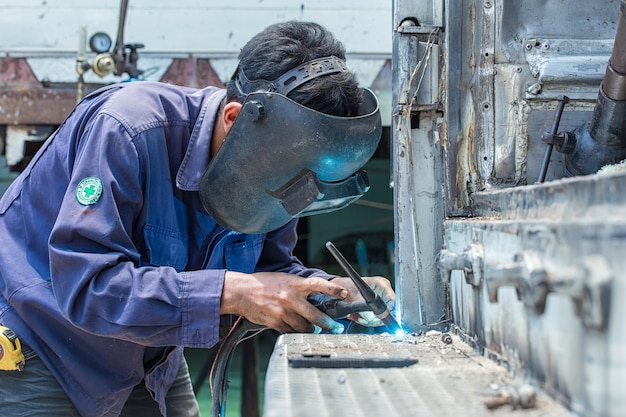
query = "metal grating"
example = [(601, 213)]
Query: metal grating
[(449, 379)]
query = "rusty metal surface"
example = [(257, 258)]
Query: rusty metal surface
[(549, 305), (45, 106), (449, 379), (504, 68), (25, 101), (586, 198), (534, 273), (16, 72), (192, 72)]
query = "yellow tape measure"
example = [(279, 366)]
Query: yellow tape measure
[(11, 356)]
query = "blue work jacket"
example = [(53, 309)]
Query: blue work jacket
[(109, 265)]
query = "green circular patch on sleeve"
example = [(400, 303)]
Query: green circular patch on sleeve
[(89, 191)]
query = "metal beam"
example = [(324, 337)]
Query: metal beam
[(417, 167)]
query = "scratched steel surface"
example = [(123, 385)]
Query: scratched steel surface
[(534, 273), (448, 379), (547, 259), (567, 235)]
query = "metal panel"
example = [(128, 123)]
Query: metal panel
[(484, 102), (216, 26), (36, 106), (535, 272), (449, 379), (427, 13), (505, 67), (548, 305), (417, 170), (215, 31)]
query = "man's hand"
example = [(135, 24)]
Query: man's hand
[(382, 288), (279, 301)]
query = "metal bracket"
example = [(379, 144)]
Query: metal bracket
[(423, 33), (470, 262), (526, 273), (588, 285)]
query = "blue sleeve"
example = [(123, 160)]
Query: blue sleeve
[(100, 281)]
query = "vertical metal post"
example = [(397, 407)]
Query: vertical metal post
[(417, 170)]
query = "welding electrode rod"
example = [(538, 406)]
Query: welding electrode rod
[(368, 294), (378, 306), (553, 131)]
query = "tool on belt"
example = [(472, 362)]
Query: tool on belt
[(13, 355)]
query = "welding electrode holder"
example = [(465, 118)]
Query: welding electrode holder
[(375, 304), (336, 308)]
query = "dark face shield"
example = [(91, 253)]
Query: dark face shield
[(282, 160)]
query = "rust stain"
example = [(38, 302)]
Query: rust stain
[(36, 106), (192, 72), (17, 74), (24, 100), (465, 168)]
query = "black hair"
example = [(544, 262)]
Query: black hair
[(284, 46)]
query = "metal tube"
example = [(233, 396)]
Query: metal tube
[(614, 85), (118, 51), (618, 57), (602, 141)]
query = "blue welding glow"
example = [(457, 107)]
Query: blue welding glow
[(396, 314)]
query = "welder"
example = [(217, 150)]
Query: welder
[(154, 213)]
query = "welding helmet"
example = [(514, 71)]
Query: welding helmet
[(282, 160)]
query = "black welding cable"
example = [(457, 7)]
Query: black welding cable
[(221, 365), (219, 373)]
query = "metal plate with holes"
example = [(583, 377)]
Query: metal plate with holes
[(428, 375)]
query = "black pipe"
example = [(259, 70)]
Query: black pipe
[(614, 85), (119, 52), (602, 141)]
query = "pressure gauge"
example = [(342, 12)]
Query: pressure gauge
[(100, 42)]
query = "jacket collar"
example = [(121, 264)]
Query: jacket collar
[(197, 156)]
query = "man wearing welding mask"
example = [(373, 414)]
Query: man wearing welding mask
[(156, 211)]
